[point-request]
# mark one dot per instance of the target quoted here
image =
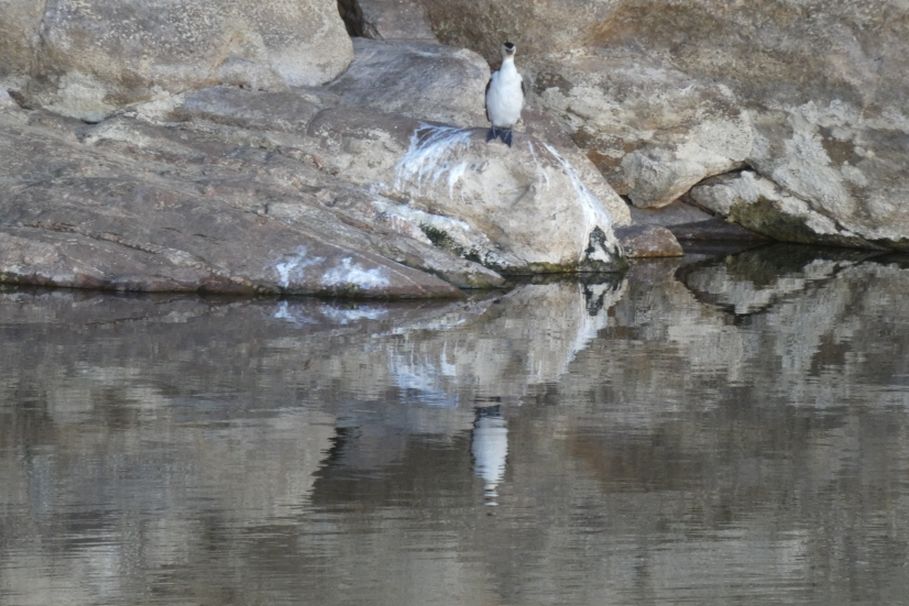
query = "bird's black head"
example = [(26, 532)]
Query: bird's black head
[(508, 49)]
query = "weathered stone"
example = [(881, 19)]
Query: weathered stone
[(422, 80), (386, 19), (519, 209), (20, 21), (714, 230), (94, 57), (274, 174), (653, 131), (6, 101), (83, 218), (245, 119), (762, 206), (674, 214), (281, 192), (846, 162), (537, 27), (688, 223), (663, 94), (646, 241), (290, 181)]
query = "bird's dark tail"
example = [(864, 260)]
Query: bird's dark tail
[(499, 133)]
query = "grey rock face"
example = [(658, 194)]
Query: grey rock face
[(88, 215), (664, 94), (387, 19), (529, 200), (19, 24), (520, 209), (235, 191), (90, 58), (763, 207), (7, 102), (647, 241), (422, 80), (265, 183), (652, 130), (537, 27)]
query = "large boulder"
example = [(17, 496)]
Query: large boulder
[(764, 207), (239, 191), (523, 209), (649, 241), (662, 94), (89, 57), (78, 213)]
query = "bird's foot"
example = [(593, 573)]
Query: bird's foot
[(491, 134), (506, 137)]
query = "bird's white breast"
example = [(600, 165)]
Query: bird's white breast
[(505, 99)]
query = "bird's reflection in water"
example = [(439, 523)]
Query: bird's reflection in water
[(489, 449)]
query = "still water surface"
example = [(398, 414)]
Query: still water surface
[(705, 431)]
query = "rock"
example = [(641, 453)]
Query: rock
[(840, 162), (20, 22), (524, 209), (6, 101), (84, 218), (516, 210), (676, 213), (760, 205), (645, 241), (94, 57), (537, 27), (688, 223), (422, 80), (663, 94), (714, 230), (239, 191), (386, 19), (653, 131)]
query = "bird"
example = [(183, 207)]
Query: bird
[(504, 97)]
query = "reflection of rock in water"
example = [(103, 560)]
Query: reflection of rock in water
[(489, 448), (754, 281), (595, 295)]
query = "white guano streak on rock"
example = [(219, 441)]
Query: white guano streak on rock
[(454, 175), (350, 273), (544, 176), (293, 263), (592, 206), (594, 211), (429, 157), (416, 217)]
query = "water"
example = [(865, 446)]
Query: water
[(708, 431)]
